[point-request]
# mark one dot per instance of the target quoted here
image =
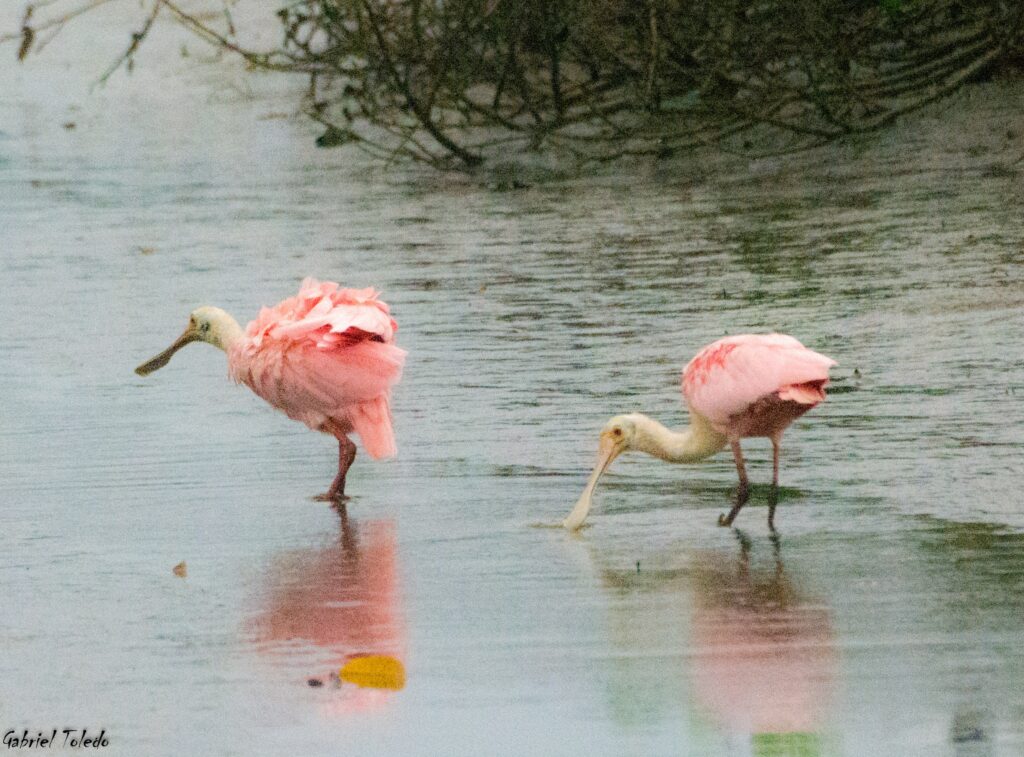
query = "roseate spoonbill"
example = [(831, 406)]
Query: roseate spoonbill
[(325, 357), (740, 386)]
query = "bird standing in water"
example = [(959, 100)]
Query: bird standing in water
[(325, 357), (740, 386)]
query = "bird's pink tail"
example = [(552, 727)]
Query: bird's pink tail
[(809, 393), (372, 421)]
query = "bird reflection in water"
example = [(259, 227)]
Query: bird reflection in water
[(335, 611), (765, 658)]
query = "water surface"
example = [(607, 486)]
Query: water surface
[(884, 619)]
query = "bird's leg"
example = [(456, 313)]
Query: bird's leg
[(773, 498), (743, 493), (346, 454)]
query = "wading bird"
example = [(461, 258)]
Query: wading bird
[(325, 357), (740, 386)]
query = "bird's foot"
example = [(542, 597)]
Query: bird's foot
[(335, 493), (742, 495), (336, 498)]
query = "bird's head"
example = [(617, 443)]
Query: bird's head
[(205, 324), (619, 434)]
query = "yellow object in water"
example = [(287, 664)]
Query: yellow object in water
[(374, 671)]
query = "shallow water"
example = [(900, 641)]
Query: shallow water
[(885, 619)]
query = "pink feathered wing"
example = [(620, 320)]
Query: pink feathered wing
[(325, 357), (728, 376)]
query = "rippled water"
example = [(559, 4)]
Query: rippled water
[(886, 618)]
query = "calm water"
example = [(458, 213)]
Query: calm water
[(887, 617)]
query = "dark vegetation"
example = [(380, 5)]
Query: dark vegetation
[(460, 82)]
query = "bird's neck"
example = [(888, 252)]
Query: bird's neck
[(694, 443), (224, 331)]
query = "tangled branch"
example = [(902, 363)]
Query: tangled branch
[(463, 81)]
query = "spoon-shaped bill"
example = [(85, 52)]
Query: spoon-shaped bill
[(159, 361), (607, 450)]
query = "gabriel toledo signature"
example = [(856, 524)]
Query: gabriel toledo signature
[(65, 737)]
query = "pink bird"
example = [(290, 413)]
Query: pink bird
[(325, 357), (738, 387)]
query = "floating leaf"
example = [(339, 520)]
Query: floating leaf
[(375, 672)]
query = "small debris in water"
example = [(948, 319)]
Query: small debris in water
[(147, 250), (974, 734), (69, 125), (637, 566), (315, 682), (181, 569)]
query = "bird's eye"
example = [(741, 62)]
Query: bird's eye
[(205, 327), (617, 431)]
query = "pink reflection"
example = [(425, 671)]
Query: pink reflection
[(326, 606), (765, 659)]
